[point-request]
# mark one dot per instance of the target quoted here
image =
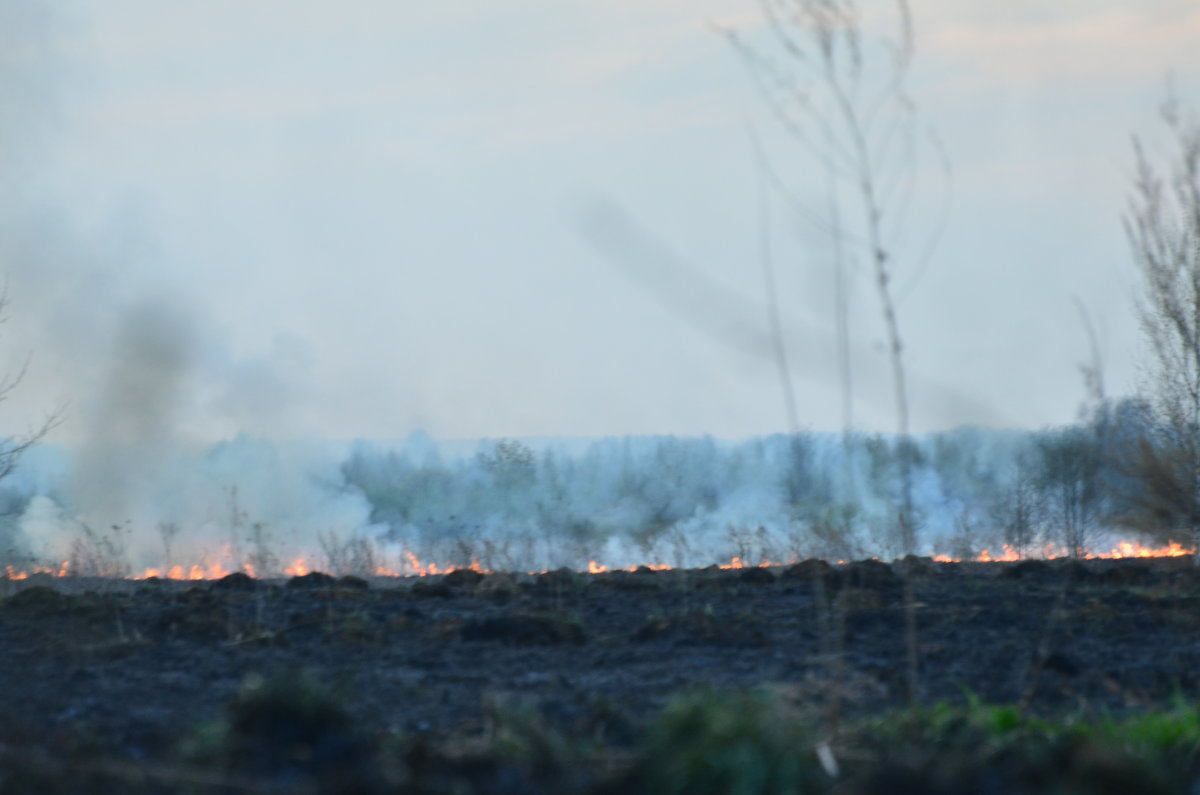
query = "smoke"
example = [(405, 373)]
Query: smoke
[(131, 427), (143, 370), (150, 383), (740, 323), (172, 448)]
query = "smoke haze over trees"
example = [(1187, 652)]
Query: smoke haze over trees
[(680, 501), (388, 288)]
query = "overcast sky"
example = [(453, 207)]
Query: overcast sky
[(364, 218)]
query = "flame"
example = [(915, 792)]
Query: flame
[(416, 567), (419, 568), (213, 571), (298, 568), (1124, 549), (1173, 549), (1008, 554), (737, 563), (412, 566), (13, 573)]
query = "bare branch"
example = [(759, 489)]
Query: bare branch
[(1163, 228), (841, 95), (11, 449)]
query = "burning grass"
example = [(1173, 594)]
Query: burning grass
[(95, 555)]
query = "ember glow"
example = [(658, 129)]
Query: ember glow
[(1121, 550), (412, 566), (12, 573), (272, 509)]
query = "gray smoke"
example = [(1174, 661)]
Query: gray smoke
[(131, 425), (145, 374)]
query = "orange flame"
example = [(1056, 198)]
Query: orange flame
[(1173, 549), (737, 563), (1124, 549), (298, 568), (411, 565)]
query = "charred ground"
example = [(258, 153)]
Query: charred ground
[(146, 673)]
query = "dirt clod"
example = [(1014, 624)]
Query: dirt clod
[(807, 570), (524, 629), (757, 576), (38, 597), (237, 581), (868, 574), (462, 578), (1124, 575), (314, 579), (498, 588), (1028, 570), (435, 590)]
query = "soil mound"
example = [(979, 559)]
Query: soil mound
[(314, 579), (237, 581), (462, 578), (808, 570), (524, 629)]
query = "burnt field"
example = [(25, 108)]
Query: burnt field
[(479, 683)]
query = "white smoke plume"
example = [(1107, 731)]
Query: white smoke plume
[(145, 375)]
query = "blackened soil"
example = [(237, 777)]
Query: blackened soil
[(132, 670)]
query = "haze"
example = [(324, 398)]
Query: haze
[(366, 218)]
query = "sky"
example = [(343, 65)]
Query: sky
[(356, 220)]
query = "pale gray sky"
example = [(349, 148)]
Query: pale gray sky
[(363, 218)]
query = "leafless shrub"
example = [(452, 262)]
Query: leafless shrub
[(1068, 477), (261, 556), (681, 548), (237, 520), (839, 90), (495, 555), (355, 555), (96, 554), (1159, 506), (167, 531), (834, 533), (1163, 228), (964, 542), (463, 553), (754, 547), (740, 540), (13, 447), (1021, 508), (650, 545)]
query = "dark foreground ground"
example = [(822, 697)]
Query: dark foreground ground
[(558, 682)]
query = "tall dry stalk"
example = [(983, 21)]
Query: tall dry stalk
[(12, 448), (1163, 227), (839, 90)]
